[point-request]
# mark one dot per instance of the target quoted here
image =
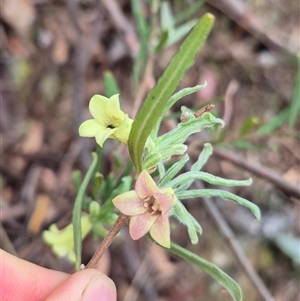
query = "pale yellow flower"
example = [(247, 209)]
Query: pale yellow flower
[(61, 241), (109, 121)]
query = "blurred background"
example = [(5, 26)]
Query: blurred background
[(54, 55)]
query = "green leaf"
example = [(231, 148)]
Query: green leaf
[(180, 32), (155, 101), (152, 161), (172, 171), (225, 195), (208, 267), (162, 41), (177, 96), (181, 213), (207, 177), (166, 16), (202, 159), (190, 10), (76, 179), (248, 125), (274, 123), (185, 129), (110, 85), (174, 150), (295, 105), (144, 32), (98, 179), (76, 219)]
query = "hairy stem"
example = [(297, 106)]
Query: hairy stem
[(121, 221)]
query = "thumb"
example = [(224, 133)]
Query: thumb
[(85, 285)]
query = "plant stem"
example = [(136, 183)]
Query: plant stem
[(121, 221)]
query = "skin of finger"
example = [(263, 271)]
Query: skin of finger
[(22, 280), (85, 285)]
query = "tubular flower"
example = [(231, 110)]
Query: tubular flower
[(148, 207), (109, 121), (61, 241)]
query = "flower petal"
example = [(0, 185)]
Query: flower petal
[(90, 128), (139, 225), (113, 110), (129, 203), (102, 135), (124, 129), (165, 202), (145, 186), (97, 108), (160, 231)]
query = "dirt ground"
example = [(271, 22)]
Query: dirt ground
[(53, 58)]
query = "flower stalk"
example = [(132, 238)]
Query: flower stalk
[(121, 221)]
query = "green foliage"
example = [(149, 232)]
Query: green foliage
[(144, 31), (208, 267), (76, 220), (226, 195), (110, 85), (148, 151), (165, 87), (295, 103)]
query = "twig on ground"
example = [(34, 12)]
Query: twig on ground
[(84, 49), (233, 243), (261, 171), (228, 100), (123, 25), (241, 13)]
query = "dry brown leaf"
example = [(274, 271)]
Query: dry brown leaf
[(48, 179), (34, 137), (37, 217), (293, 175), (19, 14)]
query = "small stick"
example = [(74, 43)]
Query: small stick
[(207, 108), (270, 175), (121, 221)]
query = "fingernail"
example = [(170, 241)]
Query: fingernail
[(100, 289)]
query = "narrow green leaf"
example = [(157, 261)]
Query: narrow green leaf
[(172, 171), (274, 123), (166, 16), (161, 169), (181, 213), (202, 159), (208, 267), (190, 10), (76, 219), (207, 177), (152, 108), (184, 129), (248, 125), (225, 195), (177, 96), (110, 85), (143, 31), (162, 41), (76, 179), (295, 105), (152, 161), (98, 179), (178, 33)]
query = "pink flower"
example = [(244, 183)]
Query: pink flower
[(148, 207)]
